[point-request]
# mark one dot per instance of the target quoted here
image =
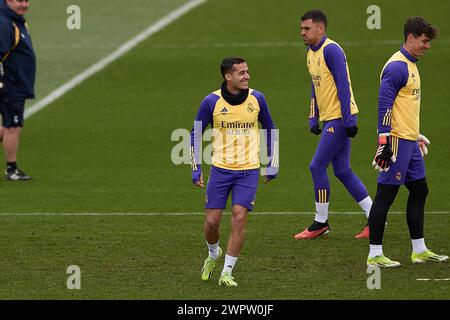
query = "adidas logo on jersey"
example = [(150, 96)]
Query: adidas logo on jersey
[(330, 130), (224, 110)]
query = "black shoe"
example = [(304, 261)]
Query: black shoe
[(15, 175), (318, 225)]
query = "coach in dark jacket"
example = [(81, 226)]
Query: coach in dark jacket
[(17, 77)]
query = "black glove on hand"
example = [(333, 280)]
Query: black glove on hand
[(384, 155), (351, 131), (316, 130)]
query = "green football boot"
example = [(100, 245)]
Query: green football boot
[(208, 266), (383, 262), (227, 280), (427, 256)]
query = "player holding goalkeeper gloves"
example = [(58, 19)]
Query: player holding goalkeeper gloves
[(401, 147)]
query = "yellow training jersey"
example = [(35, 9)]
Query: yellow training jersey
[(235, 134), (324, 84), (400, 74), (235, 130)]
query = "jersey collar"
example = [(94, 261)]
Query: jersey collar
[(315, 48), (232, 99), (407, 55)]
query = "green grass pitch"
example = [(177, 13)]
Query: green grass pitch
[(105, 147)]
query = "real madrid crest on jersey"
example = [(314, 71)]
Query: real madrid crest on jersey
[(250, 108)]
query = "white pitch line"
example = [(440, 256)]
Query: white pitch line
[(426, 279), (269, 44), (119, 52), (183, 213)]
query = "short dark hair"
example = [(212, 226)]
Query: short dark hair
[(418, 26), (227, 64), (316, 16)]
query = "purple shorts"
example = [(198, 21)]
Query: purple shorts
[(241, 183), (409, 166)]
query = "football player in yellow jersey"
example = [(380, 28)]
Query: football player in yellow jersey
[(399, 156), (332, 102), (234, 112)]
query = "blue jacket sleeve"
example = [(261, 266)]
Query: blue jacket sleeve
[(6, 38), (394, 77), (203, 118), (336, 62), (313, 118), (271, 131)]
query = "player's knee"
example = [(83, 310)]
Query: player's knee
[(418, 189), (316, 168), (239, 217), (342, 174), (386, 194), (423, 192), (212, 222), (238, 220), (11, 133)]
